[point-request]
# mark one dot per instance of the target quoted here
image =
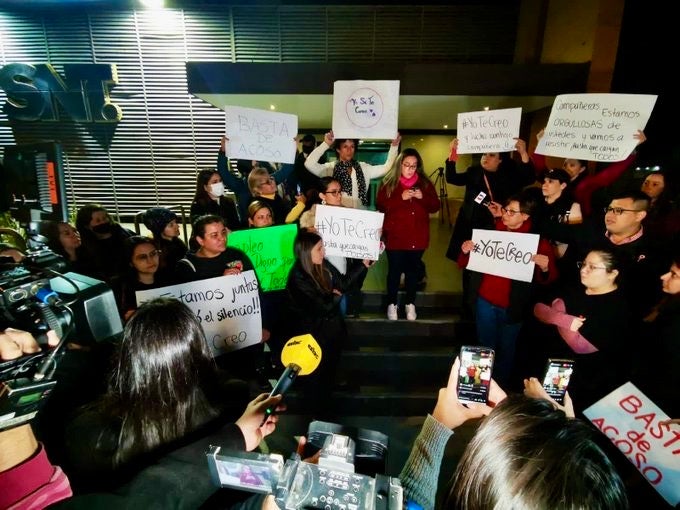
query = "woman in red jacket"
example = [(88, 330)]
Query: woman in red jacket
[(407, 197)]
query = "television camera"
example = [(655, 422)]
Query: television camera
[(333, 483)]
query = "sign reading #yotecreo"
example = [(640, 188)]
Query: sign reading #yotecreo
[(260, 135), (488, 131), (348, 232), (271, 251), (366, 109), (506, 254), (595, 127), (228, 308), (632, 422)]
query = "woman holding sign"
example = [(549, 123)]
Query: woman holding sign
[(503, 303), (407, 197), (354, 176)]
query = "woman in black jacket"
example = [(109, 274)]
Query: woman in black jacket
[(315, 289), (209, 199)]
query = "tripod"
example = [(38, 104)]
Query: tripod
[(440, 184)]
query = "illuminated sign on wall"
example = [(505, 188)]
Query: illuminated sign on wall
[(35, 91)]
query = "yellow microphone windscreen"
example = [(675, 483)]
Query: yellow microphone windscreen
[(304, 351)]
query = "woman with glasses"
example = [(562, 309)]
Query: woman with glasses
[(143, 258), (209, 199), (493, 180), (263, 188), (503, 304), (354, 176), (594, 322), (330, 193), (407, 197)]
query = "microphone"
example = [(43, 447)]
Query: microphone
[(301, 356)]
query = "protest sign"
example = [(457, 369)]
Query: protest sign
[(631, 421), (366, 109), (347, 232), (488, 131), (506, 254), (595, 127), (260, 135), (271, 251), (228, 308)]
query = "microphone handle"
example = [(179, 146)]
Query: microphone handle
[(286, 380)]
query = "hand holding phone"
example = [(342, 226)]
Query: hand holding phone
[(556, 378), (474, 376)]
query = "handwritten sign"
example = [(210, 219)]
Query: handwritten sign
[(506, 254), (631, 421), (488, 131), (228, 308), (366, 109), (271, 251), (260, 134), (595, 127), (347, 232)]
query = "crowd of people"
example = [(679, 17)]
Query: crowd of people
[(605, 276)]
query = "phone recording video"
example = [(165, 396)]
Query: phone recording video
[(556, 378), (474, 377)]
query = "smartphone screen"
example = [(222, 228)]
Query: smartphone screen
[(556, 379), (474, 376)]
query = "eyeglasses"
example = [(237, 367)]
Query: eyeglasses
[(148, 256), (588, 267), (509, 212), (410, 167), (618, 211), (335, 192)]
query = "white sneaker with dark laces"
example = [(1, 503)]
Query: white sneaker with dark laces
[(392, 312), (411, 312)]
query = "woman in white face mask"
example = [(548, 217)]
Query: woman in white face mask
[(210, 199)]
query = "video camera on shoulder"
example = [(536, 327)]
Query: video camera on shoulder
[(36, 298), (334, 483)]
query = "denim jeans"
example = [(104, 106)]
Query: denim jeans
[(495, 332)]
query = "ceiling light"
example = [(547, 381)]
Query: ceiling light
[(446, 126), (153, 4), (272, 107), (486, 108)]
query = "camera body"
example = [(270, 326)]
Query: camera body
[(330, 484)]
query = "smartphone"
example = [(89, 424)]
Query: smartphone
[(556, 378), (474, 377), (483, 199), (298, 189)]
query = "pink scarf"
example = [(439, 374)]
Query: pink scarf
[(408, 183)]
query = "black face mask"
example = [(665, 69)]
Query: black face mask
[(102, 228)]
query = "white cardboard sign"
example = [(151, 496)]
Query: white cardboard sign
[(260, 135), (631, 421), (488, 131), (595, 127), (348, 232), (506, 254), (228, 308), (366, 109)]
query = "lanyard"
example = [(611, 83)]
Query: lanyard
[(487, 185)]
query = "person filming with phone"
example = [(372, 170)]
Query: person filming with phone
[(528, 452)]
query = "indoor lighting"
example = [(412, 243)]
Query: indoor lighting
[(153, 4), (272, 107), (446, 126), (486, 108)]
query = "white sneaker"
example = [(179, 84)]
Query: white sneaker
[(392, 312), (411, 312)]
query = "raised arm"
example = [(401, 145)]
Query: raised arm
[(312, 162)]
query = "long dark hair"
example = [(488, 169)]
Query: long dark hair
[(304, 242), (201, 195), (160, 383)]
